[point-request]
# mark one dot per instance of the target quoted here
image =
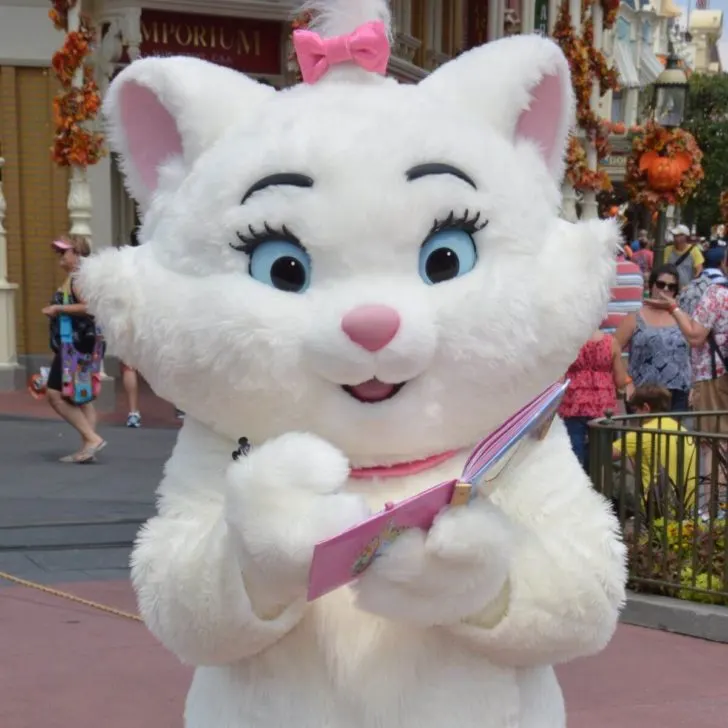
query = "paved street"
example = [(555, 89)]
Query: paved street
[(64, 522), (66, 665)]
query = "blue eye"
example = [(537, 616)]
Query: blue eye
[(447, 255), (282, 265)]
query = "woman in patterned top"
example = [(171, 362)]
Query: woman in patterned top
[(593, 380), (659, 354)]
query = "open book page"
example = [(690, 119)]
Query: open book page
[(341, 559)]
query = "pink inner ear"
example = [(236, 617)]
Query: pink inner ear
[(151, 132), (541, 122)]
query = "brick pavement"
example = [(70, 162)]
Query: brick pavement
[(68, 666)]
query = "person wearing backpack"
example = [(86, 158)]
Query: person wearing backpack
[(686, 257), (77, 352)]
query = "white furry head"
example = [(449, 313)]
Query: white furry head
[(307, 249)]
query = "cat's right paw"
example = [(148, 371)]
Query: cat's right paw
[(282, 498)]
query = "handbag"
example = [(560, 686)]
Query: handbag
[(81, 352)]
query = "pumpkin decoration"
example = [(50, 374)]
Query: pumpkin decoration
[(664, 167), (664, 173), (619, 128)]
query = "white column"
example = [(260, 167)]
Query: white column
[(590, 208), (132, 32), (79, 192), (575, 12), (568, 203), (494, 13), (568, 194), (8, 352), (553, 13), (527, 11)]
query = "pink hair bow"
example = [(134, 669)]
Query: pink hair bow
[(367, 46)]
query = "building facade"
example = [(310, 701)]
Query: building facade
[(42, 201), (704, 32)]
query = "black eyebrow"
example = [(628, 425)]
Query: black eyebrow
[(430, 168), (287, 179)]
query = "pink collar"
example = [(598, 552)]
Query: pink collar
[(400, 470)]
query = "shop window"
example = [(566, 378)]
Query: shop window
[(418, 29), (617, 106), (433, 23), (448, 27), (647, 32), (123, 210), (623, 29)]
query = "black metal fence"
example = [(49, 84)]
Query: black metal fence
[(667, 479)]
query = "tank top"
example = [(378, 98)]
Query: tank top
[(591, 389), (659, 355)]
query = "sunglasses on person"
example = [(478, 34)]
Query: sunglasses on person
[(665, 286)]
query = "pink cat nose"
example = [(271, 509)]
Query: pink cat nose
[(371, 327)]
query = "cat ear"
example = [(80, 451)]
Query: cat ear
[(160, 110), (520, 86)]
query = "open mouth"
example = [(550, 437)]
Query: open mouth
[(373, 390)]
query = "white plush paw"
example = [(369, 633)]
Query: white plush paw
[(283, 498), (454, 571)]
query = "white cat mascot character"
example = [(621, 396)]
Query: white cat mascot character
[(364, 279)]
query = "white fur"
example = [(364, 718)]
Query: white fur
[(459, 626)]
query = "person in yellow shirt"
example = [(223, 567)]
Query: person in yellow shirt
[(665, 460), (686, 257)]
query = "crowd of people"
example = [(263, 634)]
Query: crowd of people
[(667, 329), (669, 322)]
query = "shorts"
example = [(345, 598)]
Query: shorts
[(55, 378), (711, 395)]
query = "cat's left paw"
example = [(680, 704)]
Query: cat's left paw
[(455, 570)]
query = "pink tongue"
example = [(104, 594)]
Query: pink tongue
[(373, 390)]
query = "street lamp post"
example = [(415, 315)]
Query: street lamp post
[(671, 93)]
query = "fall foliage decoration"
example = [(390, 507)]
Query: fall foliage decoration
[(664, 167), (74, 105), (588, 66)]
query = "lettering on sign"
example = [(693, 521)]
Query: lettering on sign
[(241, 43), (252, 46)]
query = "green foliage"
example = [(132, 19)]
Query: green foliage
[(707, 120), (684, 559)]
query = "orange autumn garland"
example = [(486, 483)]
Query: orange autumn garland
[(656, 142), (74, 145), (587, 65)]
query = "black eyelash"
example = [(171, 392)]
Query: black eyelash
[(469, 223), (254, 238)]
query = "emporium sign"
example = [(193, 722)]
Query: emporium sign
[(252, 46)]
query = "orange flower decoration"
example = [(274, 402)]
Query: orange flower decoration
[(74, 106)]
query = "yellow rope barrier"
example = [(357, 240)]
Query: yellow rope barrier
[(68, 597)]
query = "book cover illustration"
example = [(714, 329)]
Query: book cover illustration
[(343, 558)]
